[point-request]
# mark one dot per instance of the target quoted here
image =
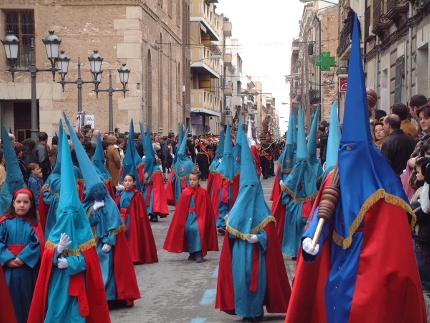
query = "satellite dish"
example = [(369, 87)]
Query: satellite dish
[(207, 129)]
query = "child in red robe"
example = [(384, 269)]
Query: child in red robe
[(193, 227), (133, 212)]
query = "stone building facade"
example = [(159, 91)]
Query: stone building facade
[(150, 36)]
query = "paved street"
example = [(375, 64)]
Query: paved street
[(178, 290)]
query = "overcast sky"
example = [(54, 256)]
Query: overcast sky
[(266, 30)]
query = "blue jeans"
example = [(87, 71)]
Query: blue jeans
[(422, 254)]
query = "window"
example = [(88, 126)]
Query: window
[(21, 24)]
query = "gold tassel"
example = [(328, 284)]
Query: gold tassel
[(255, 230), (298, 200), (149, 179), (48, 188)]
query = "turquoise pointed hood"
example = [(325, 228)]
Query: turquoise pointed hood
[(250, 213), (301, 183), (183, 166), (14, 180), (150, 160), (334, 136), (129, 165), (228, 168), (70, 215), (312, 146), (99, 162), (287, 159), (238, 146), (219, 152)]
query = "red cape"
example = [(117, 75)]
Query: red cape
[(92, 291), (160, 199), (276, 190), (7, 312), (125, 276), (141, 241), (175, 239), (218, 182), (278, 287), (388, 286), (256, 156), (43, 209), (170, 189), (279, 212)]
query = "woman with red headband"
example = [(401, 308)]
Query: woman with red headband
[(21, 244)]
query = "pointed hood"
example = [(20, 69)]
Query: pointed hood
[(250, 213), (99, 162), (95, 189), (182, 135), (150, 159), (219, 152), (142, 131), (251, 141), (301, 183), (130, 162), (14, 180), (238, 146), (183, 166), (228, 168), (70, 215), (287, 158), (312, 146), (333, 141), (365, 175)]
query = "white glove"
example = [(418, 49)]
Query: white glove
[(62, 263), (106, 247), (252, 239), (64, 242), (119, 187), (281, 182), (309, 248), (98, 204)]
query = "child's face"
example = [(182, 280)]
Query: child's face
[(128, 182), (420, 176), (194, 181), (37, 172), (22, 204)]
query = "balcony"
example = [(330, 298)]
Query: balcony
[(202, 64), (228, 88), (344, 48), (203, 12), (205, 102), (395, 8), (314, 96), (227, 28), (228, 60), (380, 21)]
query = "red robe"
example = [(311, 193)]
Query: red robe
[(170, 189), (219, 182), (160, 199), (175, 239), (7, 312), (388, 286), (256, 156), (276, 190), (141, 241), (278, 287), (89, 288)]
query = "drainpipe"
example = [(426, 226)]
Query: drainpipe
[(320, 78), (410, 52), (377, 73)]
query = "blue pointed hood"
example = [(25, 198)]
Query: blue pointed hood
[(14, 180), (364, 173), (183, 166), (250, 213), (142, 131), (287, 158), (70, 215), (228, 168), (150, 160), (99, 162), (129, 165), (238, 146), (219, 152), (333, 141), (301, 183), (312, 146)]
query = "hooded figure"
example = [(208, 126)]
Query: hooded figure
[(153, 183), (333, 142), (14, 180), (178, 179), (119, 276), (367, 271), (215, 163), (299, 191), (130, 162), (70, 283), (100, 167), (251, 271), (253, 146), (225, 188), (312, 148)]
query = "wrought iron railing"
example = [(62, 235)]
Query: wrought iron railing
[(345, 38), (314, 96)]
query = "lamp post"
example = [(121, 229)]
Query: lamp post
[(52, 45), (96, 65), (124, 73)]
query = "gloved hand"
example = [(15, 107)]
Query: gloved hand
[(64, 242), (98, 204), (106, 247), (309, 248), (62, 263), (120, 188), (252, 239), (281, 182)]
